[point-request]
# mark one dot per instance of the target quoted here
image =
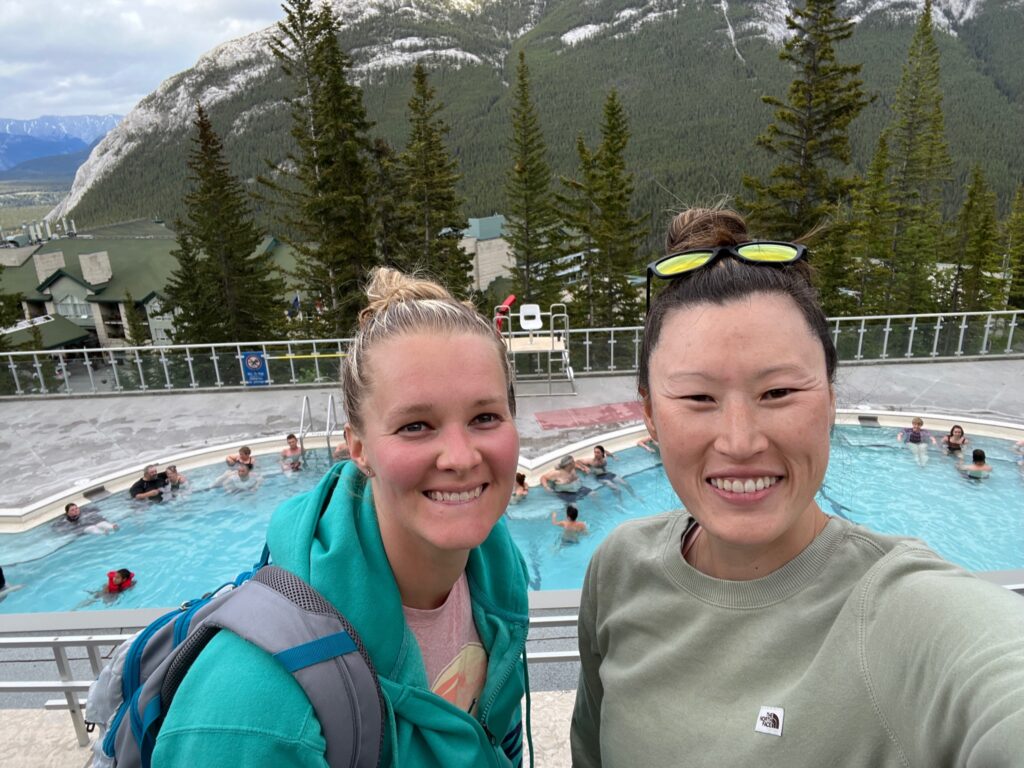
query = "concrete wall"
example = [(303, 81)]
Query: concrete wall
[(491, 259)]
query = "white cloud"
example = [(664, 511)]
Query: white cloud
[(103, 56)]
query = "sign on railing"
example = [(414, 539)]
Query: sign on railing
[(593, 352)]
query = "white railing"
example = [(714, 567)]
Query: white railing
[(593, 352), (98, 648)]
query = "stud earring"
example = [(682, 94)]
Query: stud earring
[(367, 471)]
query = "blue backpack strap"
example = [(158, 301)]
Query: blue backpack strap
[(290, 620)]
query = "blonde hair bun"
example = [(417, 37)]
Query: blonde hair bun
[(388, 286)]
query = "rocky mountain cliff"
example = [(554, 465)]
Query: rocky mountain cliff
[(690, 72)]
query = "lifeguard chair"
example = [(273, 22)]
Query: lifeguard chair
[(538, 348)]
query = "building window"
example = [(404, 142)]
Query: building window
[(73, 307)]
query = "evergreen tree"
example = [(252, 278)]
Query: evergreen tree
[(431, 212), (920, 167), (136, 324), (1014, 247), (191, 298), (810, 134), (532, 221), (326, 185), (240, 297), (577, 208), (600, 228), (393, 234), (977, 254), (618, 233), (870, 241)]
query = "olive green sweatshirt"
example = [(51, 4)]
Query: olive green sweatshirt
[(865, 650)]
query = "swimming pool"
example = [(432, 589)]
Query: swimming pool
[(190, 542)]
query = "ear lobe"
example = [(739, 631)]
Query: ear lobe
[(355, 447)]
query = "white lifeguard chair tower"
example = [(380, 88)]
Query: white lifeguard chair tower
[(538, 349)]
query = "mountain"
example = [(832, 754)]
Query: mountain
[(88, 128), (51, 168), (15, 149), (50, 136), (689, 73)]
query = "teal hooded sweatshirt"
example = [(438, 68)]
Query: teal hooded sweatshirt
[(238, 707)]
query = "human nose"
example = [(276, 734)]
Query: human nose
[(458, 452), (741, 434)]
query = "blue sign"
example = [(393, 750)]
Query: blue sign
[(255, 366)]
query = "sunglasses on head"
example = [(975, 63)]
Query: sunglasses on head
[(756, 252)]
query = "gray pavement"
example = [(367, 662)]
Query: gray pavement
[(51, 445)]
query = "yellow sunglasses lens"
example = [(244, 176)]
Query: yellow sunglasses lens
[(775, 252), (684, 262)]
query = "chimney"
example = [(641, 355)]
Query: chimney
[(64, 225), (47, 263), (49, 232), (73, 230), (96, 267)]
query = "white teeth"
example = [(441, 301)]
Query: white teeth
[(749, 485), (457, 496)]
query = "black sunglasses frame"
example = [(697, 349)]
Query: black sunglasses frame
[(716, 252)]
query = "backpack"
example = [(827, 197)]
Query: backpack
[(273, 609)]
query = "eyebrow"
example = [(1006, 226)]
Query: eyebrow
[(761, 374), (416, 409)]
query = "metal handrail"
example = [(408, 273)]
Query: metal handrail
[(305, 422), (332, 422), (71, 688)]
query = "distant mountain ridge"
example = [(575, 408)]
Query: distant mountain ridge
[(690, 73), (23, 141)]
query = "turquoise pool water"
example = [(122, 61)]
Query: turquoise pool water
[(188, 543)]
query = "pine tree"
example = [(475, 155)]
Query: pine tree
[(618, 233), (870, 240), (920, 168), (393, 234), (1013, 239), (240, 297), (977, 257), (577, 208), (810, 134), (191, 298), (432, 210), (326, 185), (532, 221), (136, 324)]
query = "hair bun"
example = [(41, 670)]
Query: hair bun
[(388, 286)]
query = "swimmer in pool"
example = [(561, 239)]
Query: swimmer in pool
[(955, 441), (572, 527), (563, 478), (244, 456), (520, 489), (598, 467), (977, 469), (74, 521), (916, 437), (291, 457), (238, 480)]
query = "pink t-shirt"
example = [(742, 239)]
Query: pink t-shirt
[(455, 658)]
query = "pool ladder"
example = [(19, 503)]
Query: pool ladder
[(306, 423)]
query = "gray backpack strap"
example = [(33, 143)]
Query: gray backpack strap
[(287, 618), (290, 620)]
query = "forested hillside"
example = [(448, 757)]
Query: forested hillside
[(693, 99)]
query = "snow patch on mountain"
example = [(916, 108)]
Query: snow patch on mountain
[(625, 22)]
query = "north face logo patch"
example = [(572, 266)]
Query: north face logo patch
[(769, 720)]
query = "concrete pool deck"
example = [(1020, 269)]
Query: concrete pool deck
[(50, 446)]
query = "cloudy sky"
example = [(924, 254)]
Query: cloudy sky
[(92, 57)]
